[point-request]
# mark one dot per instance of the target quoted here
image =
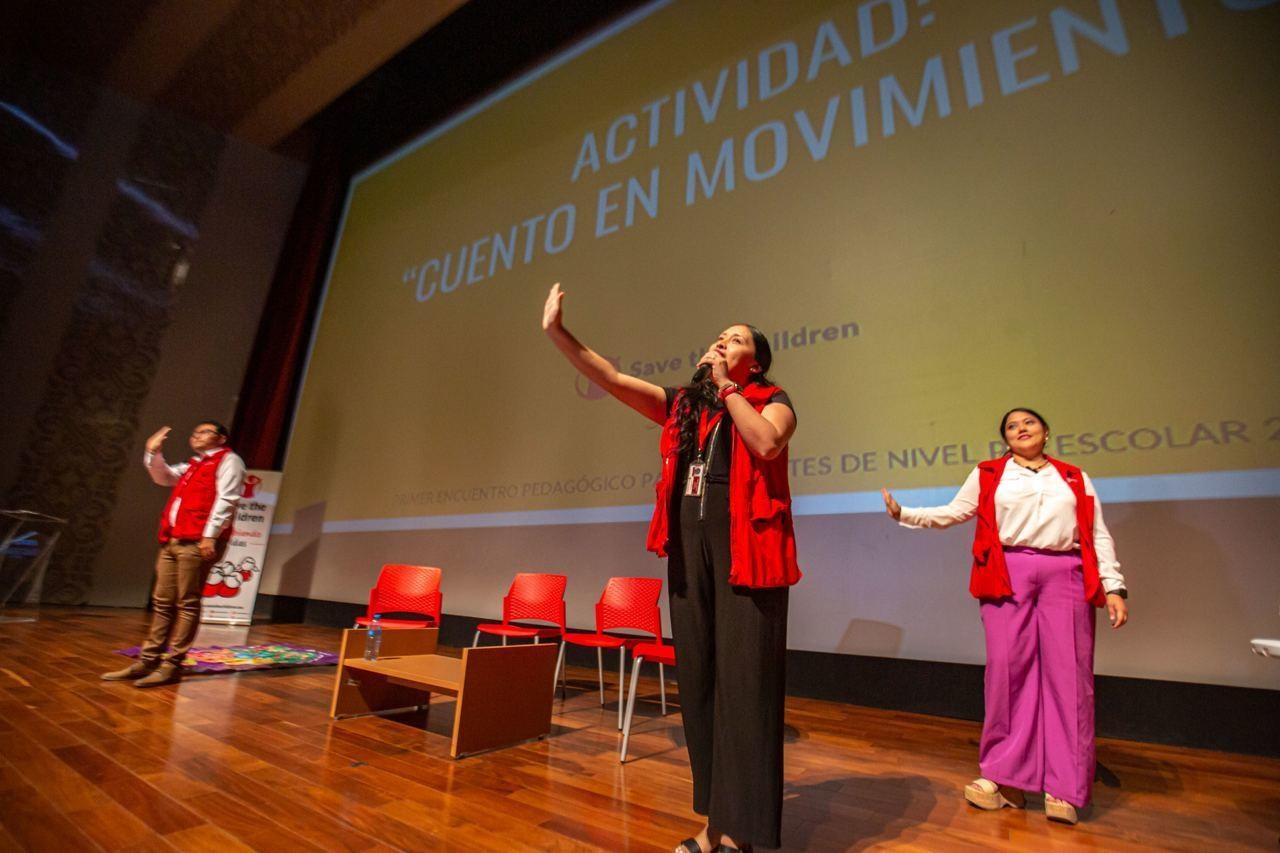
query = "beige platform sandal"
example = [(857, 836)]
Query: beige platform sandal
[(987, 795), (1060, 810)]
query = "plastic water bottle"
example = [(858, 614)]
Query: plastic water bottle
[(373, 640)]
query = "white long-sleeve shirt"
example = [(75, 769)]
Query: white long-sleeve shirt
[(1033, 510), (230, 483)]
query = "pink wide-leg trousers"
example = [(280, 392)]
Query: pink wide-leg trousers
[(1038, 734)]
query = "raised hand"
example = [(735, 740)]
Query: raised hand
[(891, 506), (157, 438), (551, 314)]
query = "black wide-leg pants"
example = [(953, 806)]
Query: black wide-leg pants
[(731, 645)]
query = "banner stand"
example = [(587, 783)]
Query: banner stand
[(232, 585)]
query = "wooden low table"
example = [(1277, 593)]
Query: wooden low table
[(504, 693)]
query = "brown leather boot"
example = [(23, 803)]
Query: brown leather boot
[(165, 673), (137, 669)]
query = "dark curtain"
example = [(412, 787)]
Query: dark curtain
[(265, 411)]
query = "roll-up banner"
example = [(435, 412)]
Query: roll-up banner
[(232, 585)]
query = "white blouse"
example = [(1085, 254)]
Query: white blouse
[(1033, 510)]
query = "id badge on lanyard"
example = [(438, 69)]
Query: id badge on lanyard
[(697, 478), (696, 482)]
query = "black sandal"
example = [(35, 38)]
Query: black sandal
[(725, 848), (689, 845)]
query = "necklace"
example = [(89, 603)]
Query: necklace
[(1034, 470)]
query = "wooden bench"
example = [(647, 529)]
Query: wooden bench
[(504, 693)]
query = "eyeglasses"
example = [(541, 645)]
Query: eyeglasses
[(205, 432)]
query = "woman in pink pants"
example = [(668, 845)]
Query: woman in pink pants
[(1043, 562)]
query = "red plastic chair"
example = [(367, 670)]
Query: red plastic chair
[(405, 589), (532, 597), (662, 656), (627, 604)]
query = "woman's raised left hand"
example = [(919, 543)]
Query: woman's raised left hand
[(552, 313)]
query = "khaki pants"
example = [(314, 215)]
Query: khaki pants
[(175, 602)]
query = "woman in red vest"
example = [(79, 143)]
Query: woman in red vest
[(1043, 561), (723, 520)]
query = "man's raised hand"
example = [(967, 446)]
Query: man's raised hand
[(157, 439)]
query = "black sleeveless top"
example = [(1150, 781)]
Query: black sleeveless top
[(718, 472)]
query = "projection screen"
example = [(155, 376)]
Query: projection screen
[(936, 210)]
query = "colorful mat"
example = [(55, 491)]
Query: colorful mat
[(244, 658)]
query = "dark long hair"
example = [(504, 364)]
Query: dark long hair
[(704, 394), (1004, 422)]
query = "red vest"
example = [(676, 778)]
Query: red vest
[(990, 576), (762, 542), (197, 489)]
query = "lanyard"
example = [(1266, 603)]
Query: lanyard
[(705, 425)]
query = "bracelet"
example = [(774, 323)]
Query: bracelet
[(730, 388)]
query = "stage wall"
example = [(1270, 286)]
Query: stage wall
[(937, 211)]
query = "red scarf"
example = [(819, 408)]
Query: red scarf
[(989, 578), (762, 542)]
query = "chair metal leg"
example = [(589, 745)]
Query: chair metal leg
[(504, 639), (631, 706), (476, 641), (622, 684), (564, 675), (600, 672), (558, 675)]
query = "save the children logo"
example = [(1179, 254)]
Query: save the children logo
[(251, 483)]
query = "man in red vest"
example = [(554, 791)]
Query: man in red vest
[(194, 529)]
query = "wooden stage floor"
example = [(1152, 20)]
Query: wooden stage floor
[(228, 762)]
